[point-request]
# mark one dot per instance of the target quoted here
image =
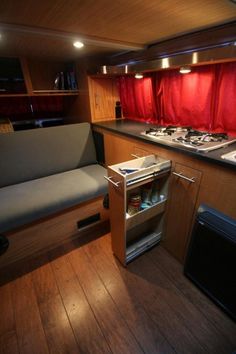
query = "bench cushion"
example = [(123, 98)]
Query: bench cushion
[(36, 153), (29, 201)]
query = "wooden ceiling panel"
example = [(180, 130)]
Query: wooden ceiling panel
[(18, 44), (137, 22)]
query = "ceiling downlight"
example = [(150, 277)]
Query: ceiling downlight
[(78, 44)]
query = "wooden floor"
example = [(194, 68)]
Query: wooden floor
[(78, 299)]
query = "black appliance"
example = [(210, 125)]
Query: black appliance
[(211, 257), (118, 110), (99, 146)]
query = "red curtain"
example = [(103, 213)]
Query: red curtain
[(47, 106), (137, 99), (224, 114), (185, 99), (15, 108), (204, 99), (18, 108)]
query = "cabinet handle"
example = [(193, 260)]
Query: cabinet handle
[(184, 177), (109, 179), (97, 99)]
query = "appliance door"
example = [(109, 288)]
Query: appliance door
[(211, 257)]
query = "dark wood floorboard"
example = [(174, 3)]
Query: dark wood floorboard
[(142, 282), (29, 327), (115, 329), (79, 299), (8, 337), (87, 331), (58, 331), (173, 270), (138, 320), (200, 327)]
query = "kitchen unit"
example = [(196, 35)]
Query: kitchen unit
[(78, 298), (138, 191), (195, 178)]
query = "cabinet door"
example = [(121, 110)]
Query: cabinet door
[(103, 94), (181, 206), (117, 149)]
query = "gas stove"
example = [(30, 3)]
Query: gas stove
[(189, 138)]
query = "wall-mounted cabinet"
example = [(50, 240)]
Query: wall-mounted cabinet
[(31, 77), (52, 77), (103, 95)]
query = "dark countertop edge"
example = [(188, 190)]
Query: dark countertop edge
[(200, 156)]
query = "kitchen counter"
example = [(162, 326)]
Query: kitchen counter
[(133, 129)]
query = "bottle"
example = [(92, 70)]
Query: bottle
[(118, 110)]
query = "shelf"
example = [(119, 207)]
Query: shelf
[(145, 214), (14, 95), (133, 235), (43, 93), (146, 179), (142, 245), (56, 92)]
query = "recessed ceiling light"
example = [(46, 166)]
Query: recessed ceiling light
[(138, 76), (78, 44), (185, 70)]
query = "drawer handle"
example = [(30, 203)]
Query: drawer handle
[(109, 179), (191, 180)]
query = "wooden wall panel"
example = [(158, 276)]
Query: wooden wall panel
[(50, 232)]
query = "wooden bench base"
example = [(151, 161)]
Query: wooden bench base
[(50, 232)]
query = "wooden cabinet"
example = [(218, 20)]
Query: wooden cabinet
[(42, 75), (213, 185), (39, 77), (103, 94), (117, 149), (184, 187), (134, 230)]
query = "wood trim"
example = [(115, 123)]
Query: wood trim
[(26, 74), (191, 41), (49, 232)]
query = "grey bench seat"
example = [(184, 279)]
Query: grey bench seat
[(26, 202)]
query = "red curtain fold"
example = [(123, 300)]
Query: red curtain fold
[(47, 106), (137, 99), (185, 99), (18, 108), (224, 115), (204, 99), (15, 108)]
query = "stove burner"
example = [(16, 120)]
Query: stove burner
[(184, 140), (206, 137), (165, 131), (189, 138)]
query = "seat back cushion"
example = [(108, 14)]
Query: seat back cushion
[(31, 154)]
